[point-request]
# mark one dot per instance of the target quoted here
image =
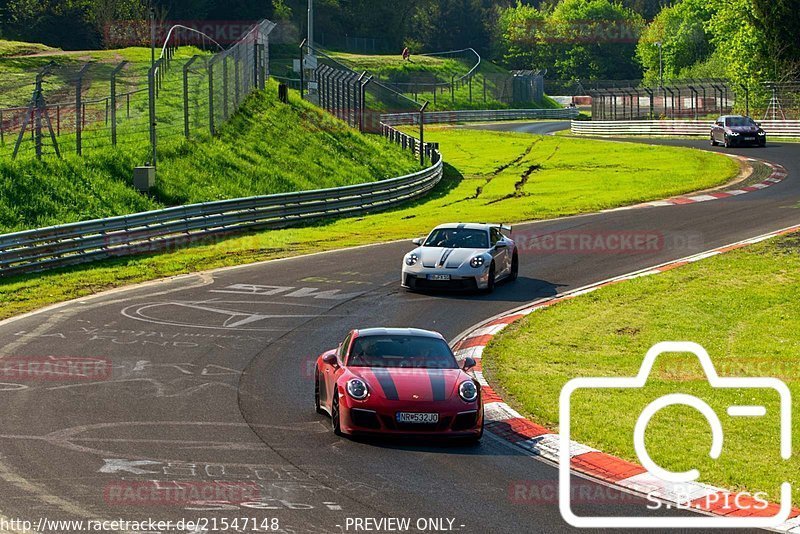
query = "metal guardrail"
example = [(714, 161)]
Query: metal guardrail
[(450, 117), (677, 128), (82, 242)]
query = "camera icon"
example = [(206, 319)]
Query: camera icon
[(670, 479)]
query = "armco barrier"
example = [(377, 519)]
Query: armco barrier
[(674, 128), (451, 117), (75, 243)]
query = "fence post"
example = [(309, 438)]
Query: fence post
[(2, 130), (39, 104), (151, 85), (225, 87), (422, 134), (79, 109), (114, 102), (484, 88), (186, 67), (302, 68), (255, 59), (264, 65), (453, 90), (236, 96), (211, 96), (470, 89)]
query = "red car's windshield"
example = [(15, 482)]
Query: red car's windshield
[(414, 352)]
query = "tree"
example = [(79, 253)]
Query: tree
[(519, 37), (681, 30), (589, 39)]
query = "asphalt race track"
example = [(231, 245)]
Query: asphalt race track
[(213, 381)]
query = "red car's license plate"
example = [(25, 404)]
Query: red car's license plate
[(421, 418)]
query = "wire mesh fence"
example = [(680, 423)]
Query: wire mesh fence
[(355, 97), (463, 81), (83, 107), (683, 99)]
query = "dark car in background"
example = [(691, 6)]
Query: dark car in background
[(737, 130)]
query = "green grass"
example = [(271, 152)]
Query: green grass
[(576, 176), (743, 307), (267, 148), (427, 69), (19, 48)]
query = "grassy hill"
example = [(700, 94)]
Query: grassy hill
[(268, 147), (490, 87), (19, 48)]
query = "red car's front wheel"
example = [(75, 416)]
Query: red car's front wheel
[(336, 418), (317, 405)]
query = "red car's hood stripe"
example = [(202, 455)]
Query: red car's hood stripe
[(384, 378), (408, 384)]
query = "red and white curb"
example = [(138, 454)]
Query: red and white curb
[(506, 423), (776, 176)]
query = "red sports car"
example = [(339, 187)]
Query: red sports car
[(398, 381)]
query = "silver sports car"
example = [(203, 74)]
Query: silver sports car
[(461, 256)]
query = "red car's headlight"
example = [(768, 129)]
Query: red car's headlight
[(468, 391), (357, 389)]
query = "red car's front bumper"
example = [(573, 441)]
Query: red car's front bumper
[(456, 419)]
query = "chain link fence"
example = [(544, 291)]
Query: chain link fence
[(84, 107)]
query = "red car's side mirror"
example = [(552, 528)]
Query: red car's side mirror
[(469, 363), (330, 359)]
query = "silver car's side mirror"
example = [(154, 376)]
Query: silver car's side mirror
[(418, 241)]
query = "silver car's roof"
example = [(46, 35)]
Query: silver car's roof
[(468, 226), (412, 332)]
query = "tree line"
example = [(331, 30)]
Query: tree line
[(574, 39)]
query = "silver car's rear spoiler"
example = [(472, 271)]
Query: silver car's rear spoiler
[(503, 227)]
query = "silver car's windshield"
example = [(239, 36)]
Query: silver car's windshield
[(401, 351), (739, 121), (458, 238)]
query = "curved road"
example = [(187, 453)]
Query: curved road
[(212, 384)]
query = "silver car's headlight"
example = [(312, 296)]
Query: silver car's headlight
[(412, 259), (477, 262), (468, 391), (357, 388)]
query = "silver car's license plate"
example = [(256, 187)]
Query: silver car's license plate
[(749, 138), (421, 418), (439, 277)]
